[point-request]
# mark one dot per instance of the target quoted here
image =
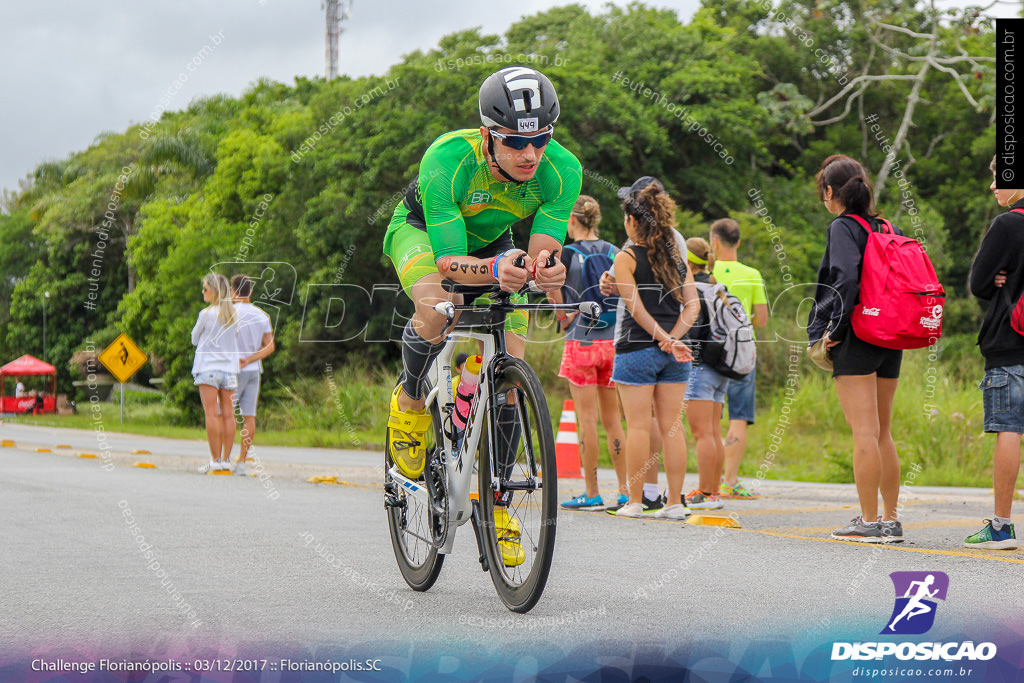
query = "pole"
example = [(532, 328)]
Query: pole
[(44, 330), (122, 402)]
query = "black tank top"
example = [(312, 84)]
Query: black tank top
[(659, 302)]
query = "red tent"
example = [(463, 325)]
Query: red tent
[(24, 367)]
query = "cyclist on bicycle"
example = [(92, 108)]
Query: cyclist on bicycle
[(455, 222)]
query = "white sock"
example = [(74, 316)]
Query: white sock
[(999, 522), (651, 491)]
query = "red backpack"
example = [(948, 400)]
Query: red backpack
[(901, 300), (1017, 311)]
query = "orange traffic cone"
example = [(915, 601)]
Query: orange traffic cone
[(567, 445)]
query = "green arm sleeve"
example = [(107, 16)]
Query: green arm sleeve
[(440, 181), (561, 181)]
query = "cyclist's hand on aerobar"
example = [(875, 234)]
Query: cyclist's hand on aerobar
[(510, 276), (547, 277)]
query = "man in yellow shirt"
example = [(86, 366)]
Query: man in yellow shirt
[(747, 285)]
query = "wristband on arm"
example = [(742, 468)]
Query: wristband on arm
[(494, 265)]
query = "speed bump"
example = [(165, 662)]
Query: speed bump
[(43, 450), (146, 465), (713, 520), (141, 451), (63, 445), (86, 455), (322, 480), (7, 443)]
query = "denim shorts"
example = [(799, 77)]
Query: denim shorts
[(1002, 393), (706, 385), (741, 398), (217, 379), (649, 366)]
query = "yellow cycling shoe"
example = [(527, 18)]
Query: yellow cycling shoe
[(407, 432), (507, 531)]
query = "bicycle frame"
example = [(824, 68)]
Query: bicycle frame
[(471, 325)]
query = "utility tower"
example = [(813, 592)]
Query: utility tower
[(338, 11)]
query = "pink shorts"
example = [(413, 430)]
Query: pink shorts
[(588, 364)]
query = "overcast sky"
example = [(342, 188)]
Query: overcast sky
[(72, 70)]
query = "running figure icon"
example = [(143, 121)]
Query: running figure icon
[(915, 606), (917, 595)]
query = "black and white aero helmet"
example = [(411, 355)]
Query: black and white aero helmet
[(519, 98)]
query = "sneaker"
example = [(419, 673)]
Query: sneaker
[(623, 499), (892, 532), (650, 506), (240, 468), (509, 539), (407, 432), (988, 537), (208, 467), (860, 531), (737, 491), (629, 510), (223, 466), (581, 502), (698, 500), (677, 511)]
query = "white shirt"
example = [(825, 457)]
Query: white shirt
[(253, 323), (19, 391), (216, 345)]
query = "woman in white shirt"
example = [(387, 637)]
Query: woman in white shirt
[(215, 369)]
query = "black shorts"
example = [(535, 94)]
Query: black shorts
[(854, 356), (498, 246)]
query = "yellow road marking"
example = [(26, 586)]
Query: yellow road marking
[(981, 555), (816, 508), (934, 524)]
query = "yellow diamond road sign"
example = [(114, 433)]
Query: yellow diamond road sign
[(123, 358)]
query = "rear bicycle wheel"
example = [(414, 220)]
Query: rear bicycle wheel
[(519, 482), (410, 520)]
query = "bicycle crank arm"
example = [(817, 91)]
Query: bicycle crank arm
[(478, 532)]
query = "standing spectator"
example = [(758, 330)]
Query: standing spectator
[(998, 276), (38, 406), (747, 285), (255, 342), (19, 390), (652, 500), (589, 354), (215, 368), (705, 393), (865, 375), (651, 367)]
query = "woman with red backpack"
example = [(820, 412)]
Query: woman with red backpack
[(865, 375)]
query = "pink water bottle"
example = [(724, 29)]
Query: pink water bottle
[(466, 391)]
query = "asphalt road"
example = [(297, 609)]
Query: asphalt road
[(311, 569)]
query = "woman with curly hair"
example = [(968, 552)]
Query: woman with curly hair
[(660, 306)]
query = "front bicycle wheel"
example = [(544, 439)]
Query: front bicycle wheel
[(518, 486), (410, 520)]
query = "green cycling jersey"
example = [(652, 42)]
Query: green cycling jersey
[(462, 208)]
